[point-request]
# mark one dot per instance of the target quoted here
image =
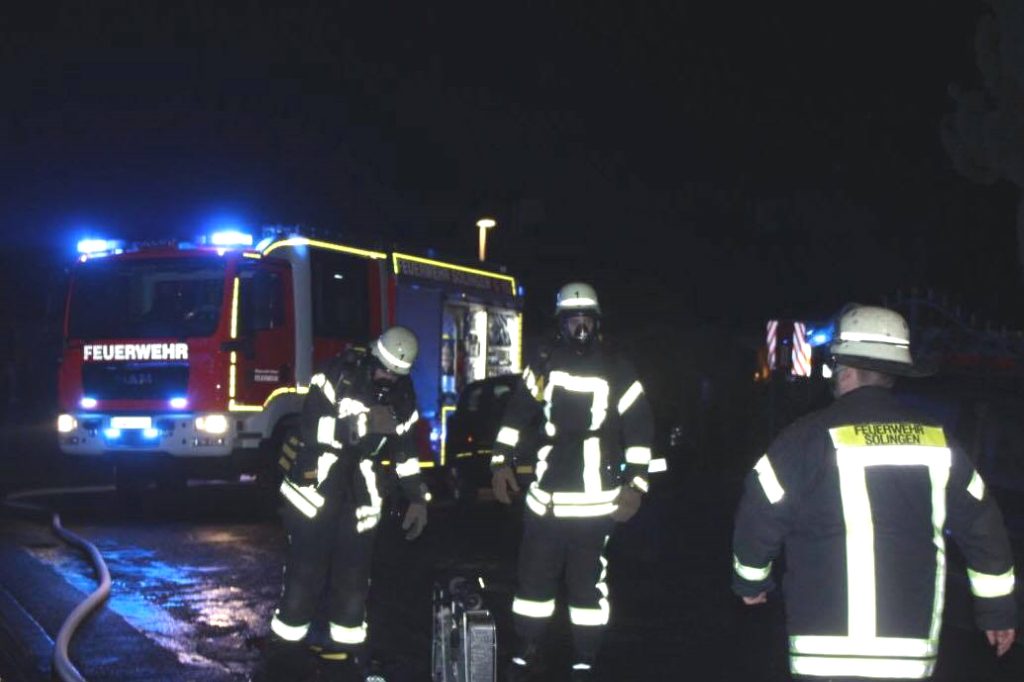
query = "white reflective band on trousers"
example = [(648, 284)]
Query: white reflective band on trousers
[(347, 635), (289, 633), (989, 586), (751, 573), (814, 655), (599, 616), (533, 609)]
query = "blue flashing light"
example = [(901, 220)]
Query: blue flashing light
[(231, 238), (178, 403), (150, 434), (819, 337), (521, 291), (435, 435), (87, 403), (112, 434), (99, 247), (92, 245)]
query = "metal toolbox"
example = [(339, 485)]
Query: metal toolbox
[(465, 647)]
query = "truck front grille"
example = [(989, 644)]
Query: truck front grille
[(134, 381)]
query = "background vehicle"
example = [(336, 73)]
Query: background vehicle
[(184, 358), (471, 430)]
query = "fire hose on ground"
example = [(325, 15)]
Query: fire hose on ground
[(62, 665)]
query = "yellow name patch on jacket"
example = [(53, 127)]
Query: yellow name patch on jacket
[(893, 433)]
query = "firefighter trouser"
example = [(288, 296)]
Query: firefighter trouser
[(576, 546), (328, 562)]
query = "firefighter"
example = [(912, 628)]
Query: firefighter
[(583, 418), (861, 495), (362, 406)]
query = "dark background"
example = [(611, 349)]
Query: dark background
[(706, 165)]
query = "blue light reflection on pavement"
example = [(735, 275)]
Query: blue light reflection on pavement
[(186, 608)]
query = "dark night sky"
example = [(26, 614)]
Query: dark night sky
[(699, 161)]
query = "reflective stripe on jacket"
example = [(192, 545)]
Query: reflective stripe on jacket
[(586, 423)]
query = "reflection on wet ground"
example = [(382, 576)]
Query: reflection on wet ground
[(189, 593), (192, 576)]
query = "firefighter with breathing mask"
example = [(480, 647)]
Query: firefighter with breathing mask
[(584, 420)]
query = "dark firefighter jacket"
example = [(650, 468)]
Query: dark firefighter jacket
[(863, 493), (585, 421), (344, 433)]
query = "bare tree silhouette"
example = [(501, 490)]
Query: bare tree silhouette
[(984, 135)]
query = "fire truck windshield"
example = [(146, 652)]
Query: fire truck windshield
[(159, 298)]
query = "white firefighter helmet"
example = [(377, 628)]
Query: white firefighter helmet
[(870, 337), (396, 349), (577, 297)]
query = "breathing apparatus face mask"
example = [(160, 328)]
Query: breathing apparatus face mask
[(383, 383), (579, 330)]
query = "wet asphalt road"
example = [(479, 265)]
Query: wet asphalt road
[(196, 576)]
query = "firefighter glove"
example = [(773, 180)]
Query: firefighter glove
[(415, 520), (503, 481), (628, 503)]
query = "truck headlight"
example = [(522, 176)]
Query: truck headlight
[(212, 423), (66, 423)]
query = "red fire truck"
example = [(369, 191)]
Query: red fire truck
[(194, 357)]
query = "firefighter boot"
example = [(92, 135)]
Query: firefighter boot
[(525, 665), (279, 659), (582, 672), (373, 671)]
